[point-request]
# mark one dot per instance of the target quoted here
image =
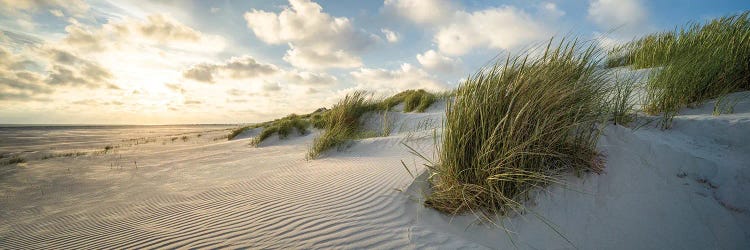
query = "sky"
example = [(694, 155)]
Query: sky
[(197, 62)]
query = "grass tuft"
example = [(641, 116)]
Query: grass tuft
[(13, 160), (414, 100), (342, 122), (515, 125), (697, 62), (237, 131), (621, 100), (283, 127)]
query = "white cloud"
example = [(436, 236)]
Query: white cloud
[(433, 60), (607, 42), (156, 29), (390, 36), (57, 13), (235, 68), (71, 6), (625, 15), (422, 11), (306, 58), (499, 28), (247, 68), (31, 73), (406, 77), (309, 78), (550, 10), (316, 39)]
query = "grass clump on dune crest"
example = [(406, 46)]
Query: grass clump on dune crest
[(283, 127), (698, 62), (414, 100), (515, 125), (342, 122)]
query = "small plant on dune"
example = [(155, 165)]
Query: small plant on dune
[(13, 160), (620, 99), (69, 154), (697, 62), (725, 104), (283, 127), (342, 122), (418, 100), (265, 134), (425, 102), (318, 121), (386, 124), (185, 138), (514, 126), (237, 131)]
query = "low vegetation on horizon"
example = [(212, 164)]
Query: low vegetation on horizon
[(342, 122)]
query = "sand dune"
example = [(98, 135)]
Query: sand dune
[(680, 188)]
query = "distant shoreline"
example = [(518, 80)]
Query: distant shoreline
[(109, 125)]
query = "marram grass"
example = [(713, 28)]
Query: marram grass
[(694, 63), (515, 125), (283, 127), (414, 100), (342, 122)]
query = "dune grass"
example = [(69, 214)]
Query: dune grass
[(515, 125), (318, 121), (414, 100), (699, 61), (13, 160), (68, 154), (283, 127), (621, 100), (342, 122)]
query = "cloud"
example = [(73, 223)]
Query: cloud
[(433, 60), (550, 10), (41, 70), (271, 87), (316, 39), (312, 59), (57, 13), (246, 67), (421, 11), (162, 28), (71, 6), (625, 15), (235, 68), (390, 36), (459, 31), (71, 70), (175, 87), (309, 78), (499, 28), (406, 77), (155, 29), (200, 72)]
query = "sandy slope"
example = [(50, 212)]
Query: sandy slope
[(681, 188)]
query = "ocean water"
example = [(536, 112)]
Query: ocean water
[(16, 139)]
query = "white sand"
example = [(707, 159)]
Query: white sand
[(684, 188)]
